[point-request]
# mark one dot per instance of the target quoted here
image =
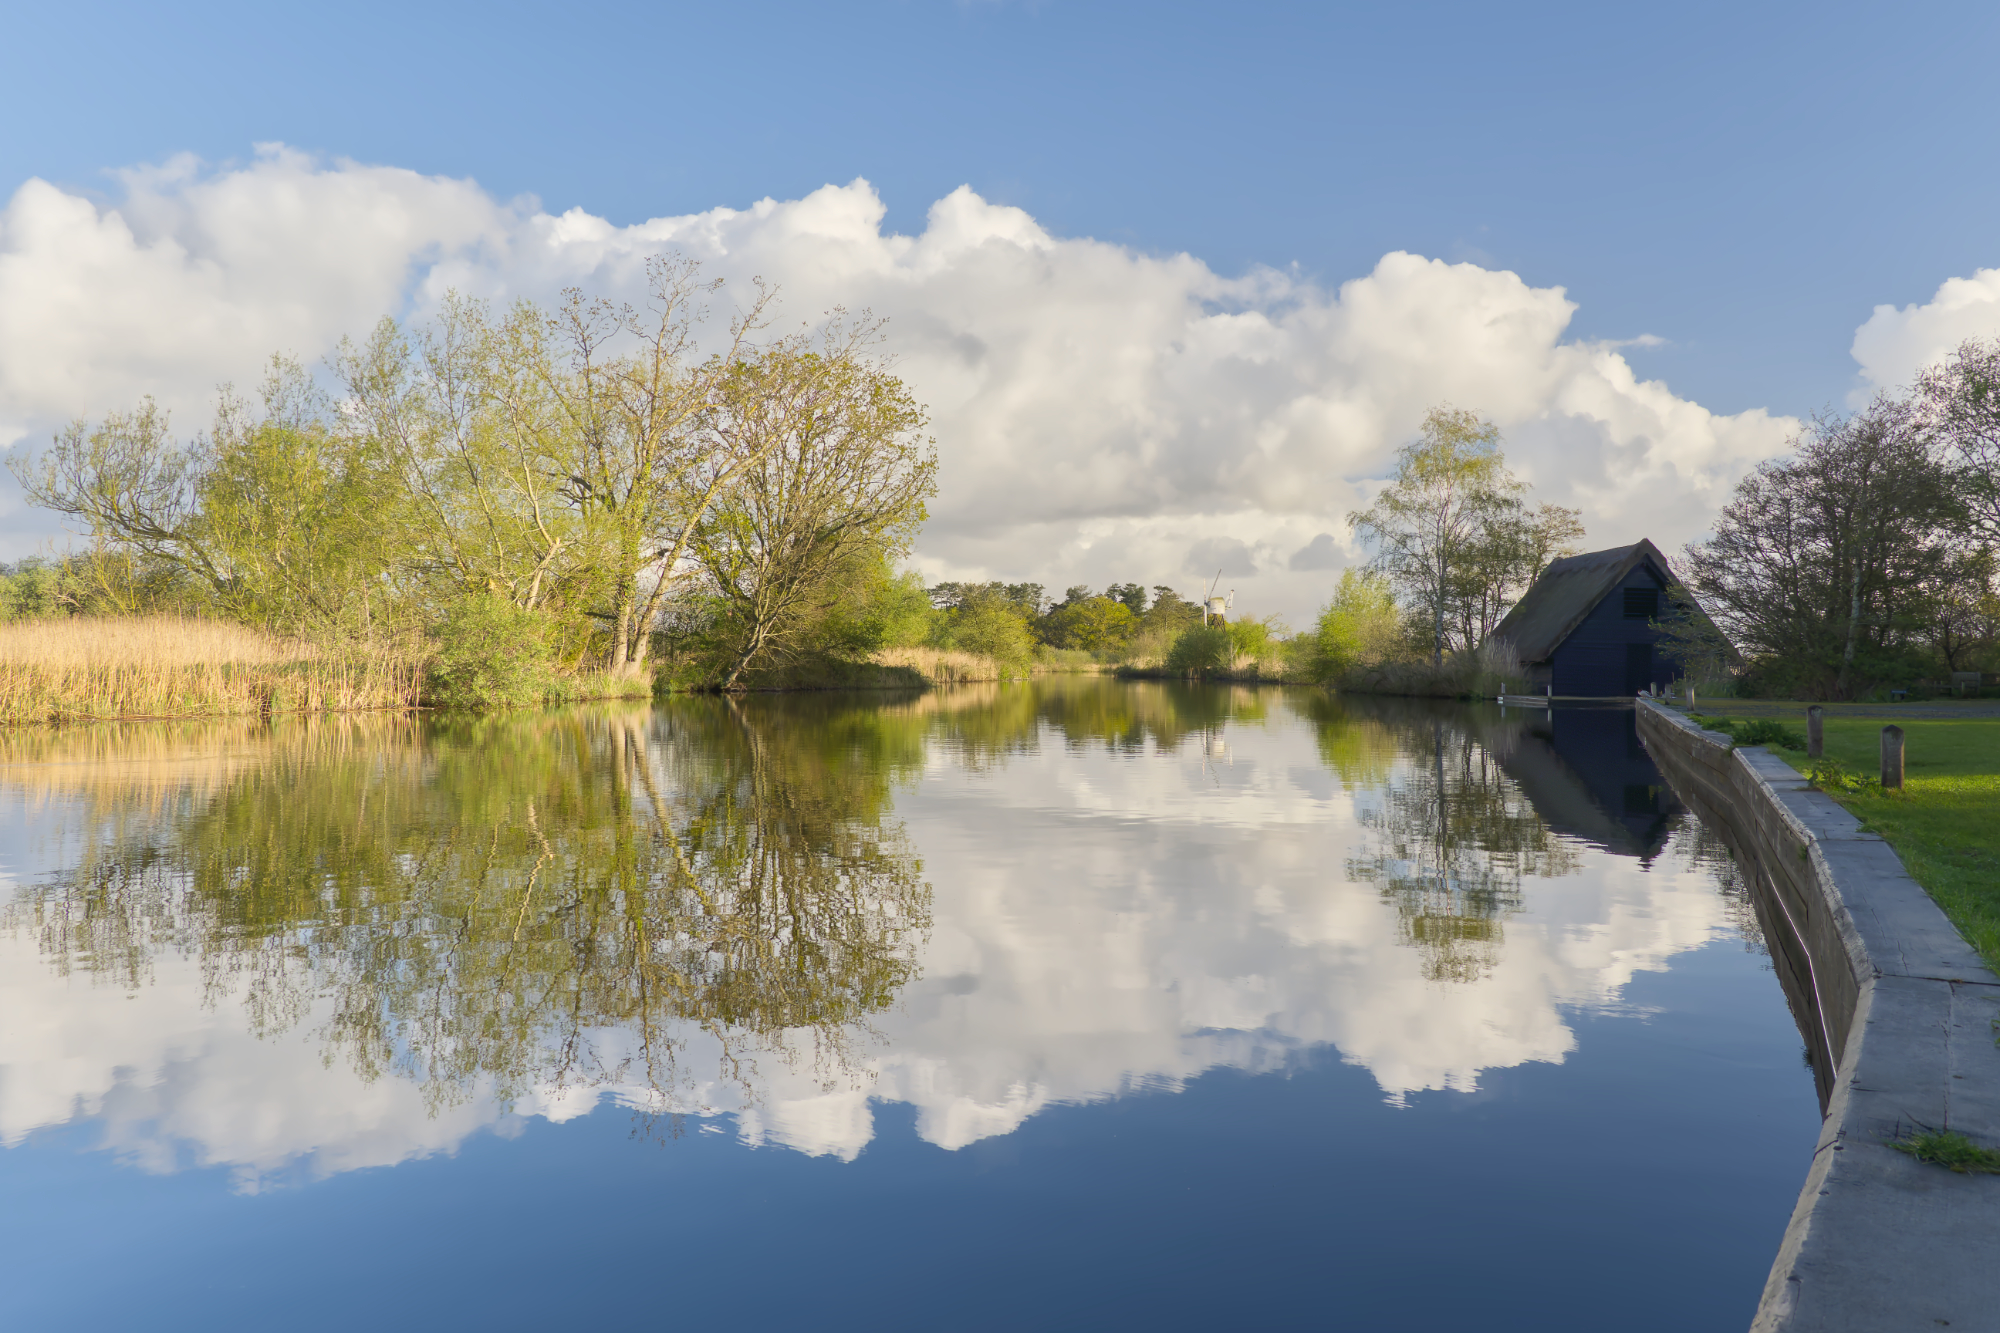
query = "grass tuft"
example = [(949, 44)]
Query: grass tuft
[(1757, 731), (1949, 1148)]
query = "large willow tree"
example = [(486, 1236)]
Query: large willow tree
[(837, 472), (586, 465)]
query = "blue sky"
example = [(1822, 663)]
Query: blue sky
[(1745, 184)]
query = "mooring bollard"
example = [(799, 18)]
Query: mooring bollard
[(1892, 758), (1816, 732)]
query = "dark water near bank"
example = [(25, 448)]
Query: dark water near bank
[(1074, 1005)]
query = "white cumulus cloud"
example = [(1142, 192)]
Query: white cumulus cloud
[(1896, 343), (1101, 413)]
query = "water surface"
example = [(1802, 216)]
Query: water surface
[(1077, 1004)]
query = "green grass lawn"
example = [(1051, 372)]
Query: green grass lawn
[(1946, 822)]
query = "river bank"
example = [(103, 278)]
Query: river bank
[(1897, 1011), (69, 670), (1945, 822)]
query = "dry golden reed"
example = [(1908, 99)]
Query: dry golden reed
[(90, 669), (942, 666)]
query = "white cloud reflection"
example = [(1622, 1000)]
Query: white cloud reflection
[(1102, 922)]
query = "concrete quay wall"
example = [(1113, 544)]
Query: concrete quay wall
[(1902, 1019)]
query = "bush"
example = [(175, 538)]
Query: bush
[(31, 590), (1201, 650), (1252, 640), (988, 626), (1359, 627), (490, 654), (1760, 731), (876, 609)]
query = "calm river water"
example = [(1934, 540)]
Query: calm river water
[(1077, 1004)]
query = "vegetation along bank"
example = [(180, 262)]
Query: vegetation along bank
[(1945, 821)]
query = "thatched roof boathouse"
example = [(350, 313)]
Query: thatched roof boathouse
[(1585, 630)]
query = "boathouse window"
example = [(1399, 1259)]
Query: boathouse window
[(1642, 603)]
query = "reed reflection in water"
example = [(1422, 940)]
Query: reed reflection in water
[(715, 906)]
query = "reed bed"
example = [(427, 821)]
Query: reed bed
[(1492, 668), (941, 666), (86, 669)]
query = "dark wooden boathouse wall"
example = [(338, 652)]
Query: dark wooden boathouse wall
[(1613, 651)]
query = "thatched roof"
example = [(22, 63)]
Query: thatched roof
[(1568, 590)]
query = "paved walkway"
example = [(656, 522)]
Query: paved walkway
[(1943, 710)]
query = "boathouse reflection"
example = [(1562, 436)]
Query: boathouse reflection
[(1590, 778)]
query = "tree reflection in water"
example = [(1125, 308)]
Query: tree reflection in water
[(648, 904), (1454, 836), (512, 902)]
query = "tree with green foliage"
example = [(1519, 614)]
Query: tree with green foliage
[(33, 589), (546, 461), (1201, 651), (841, 474), (1430, 523), (276, 515), (1255, 639), (1087, 621), (1131, 595), (1826, 566), (1506, 555), (1958, 403), (301, 515), (983, 619), (879, 609), (1361, 626)]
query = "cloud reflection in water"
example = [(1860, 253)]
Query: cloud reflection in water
[(311, 947)]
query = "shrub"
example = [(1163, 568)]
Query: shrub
[(1200, 650), (1359, 627), (490, 654), (1759, 731), (1830, 775), (988, 626), (1251, 640)]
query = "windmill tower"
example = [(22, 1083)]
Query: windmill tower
[(1218, 607)]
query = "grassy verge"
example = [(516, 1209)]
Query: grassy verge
[(1945, 823)]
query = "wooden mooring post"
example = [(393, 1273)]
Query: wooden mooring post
[(1815, 732), (1892, 759)]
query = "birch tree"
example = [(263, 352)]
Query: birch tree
[(1428, 524)]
